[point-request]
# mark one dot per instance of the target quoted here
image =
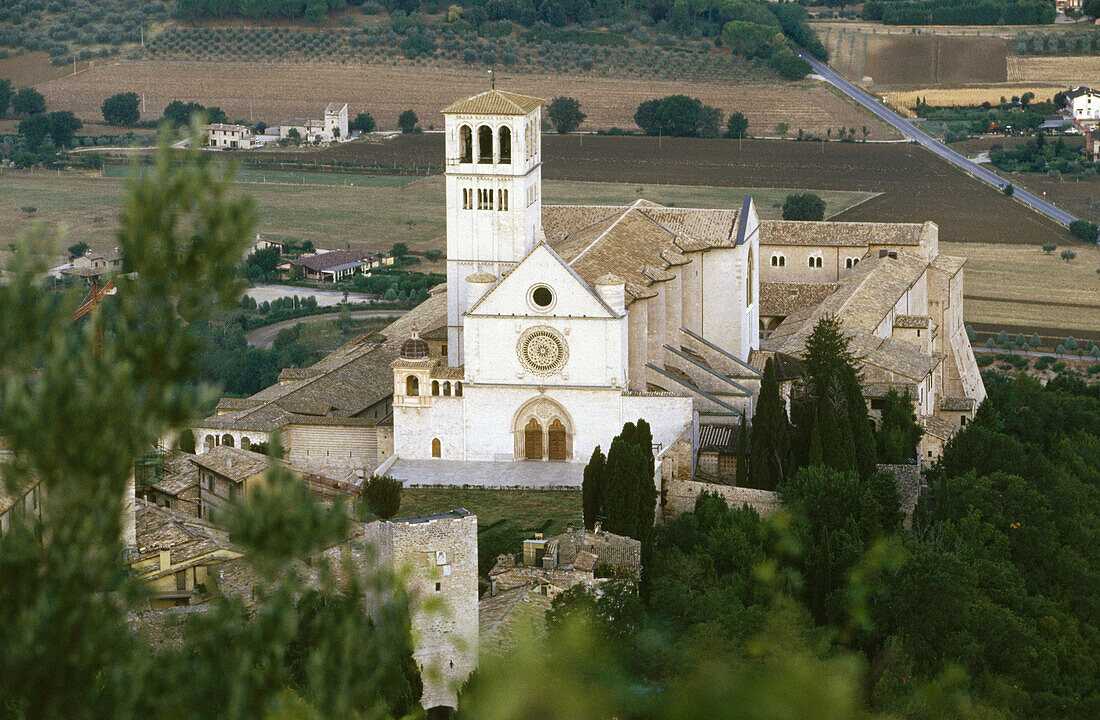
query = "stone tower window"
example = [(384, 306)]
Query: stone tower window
[(485, 144), (412, 385)]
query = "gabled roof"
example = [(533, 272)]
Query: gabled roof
[(840, 234), (1081, 91), (495, 102), (233, 463), (337, 259)]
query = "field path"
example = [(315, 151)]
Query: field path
[(910, 131), (264, 337)]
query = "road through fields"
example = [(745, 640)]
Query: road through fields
[(910, 131)]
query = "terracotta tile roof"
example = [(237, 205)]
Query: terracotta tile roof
[(495, 102), (718, 437), (912, 321), (938, 427), (179, 474), (233, 463), (842, 234), (779, 299), (331, 260), (957, 404), (507, 617), (881, 389), (186, 538)]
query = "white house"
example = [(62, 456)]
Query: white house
[(336, 121), (1083, 104), (220, 135)]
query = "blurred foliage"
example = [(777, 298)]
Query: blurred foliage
[(80, 401)]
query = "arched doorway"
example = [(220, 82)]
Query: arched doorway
[(555, 445), (543, 431), (532, 440), (437, 448)]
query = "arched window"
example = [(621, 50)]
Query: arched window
[(435, 387), (458, 389), (485, 144), (502, 200), (245, 443), (437, 448), (814, 262), (848, 263), (465, 144), (210, 442), (748, 280), (412, 385), (855, 261), (227, 440), (505, 145), (778, 260), (447, 389)]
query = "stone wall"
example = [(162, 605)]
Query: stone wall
[(680, 495)]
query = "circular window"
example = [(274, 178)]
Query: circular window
[(542, 350), (542, 297)]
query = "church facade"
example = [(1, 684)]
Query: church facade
[(552, 346)]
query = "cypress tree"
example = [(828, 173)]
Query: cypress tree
[(624, 463), (769, 447), (816, 455), (643, 438), (899, 432), (863, 437), (742, 475), (594, 488)]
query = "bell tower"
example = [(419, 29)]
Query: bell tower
[(494, 204)]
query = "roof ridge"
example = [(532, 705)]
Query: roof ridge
[(601, 236)]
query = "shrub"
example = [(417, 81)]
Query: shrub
[(407, 122), (122, 109), (1048, 249), (985, 360), (1068, 255), (363, 122)]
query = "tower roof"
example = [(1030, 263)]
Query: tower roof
[(414, 348), (495, 102)]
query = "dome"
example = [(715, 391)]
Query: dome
[(414, 348)]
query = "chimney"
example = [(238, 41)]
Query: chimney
[(612, 290), (477, 285), (883, 252), (569, 527)]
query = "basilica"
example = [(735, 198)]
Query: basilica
[(557, 324)]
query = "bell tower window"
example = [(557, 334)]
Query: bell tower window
[(505, 145), (485, 144), (465, 144)]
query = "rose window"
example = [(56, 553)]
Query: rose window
[(542, 350)]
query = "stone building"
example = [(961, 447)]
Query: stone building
[(439, 554), (230, 137)]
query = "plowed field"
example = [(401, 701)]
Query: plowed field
[(915, 185), (275, 92)]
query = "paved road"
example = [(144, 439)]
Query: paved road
[(264, 337), (911, 131)]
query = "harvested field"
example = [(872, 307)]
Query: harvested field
[(1020, 286), (915, 184), (372, 214), (905, 101), (275, 91), (1080, 196), (1066, 70), (32, 68)]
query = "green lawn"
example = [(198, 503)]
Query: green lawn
[(544, 511), (288, 177)]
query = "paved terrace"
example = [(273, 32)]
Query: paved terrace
[(488, 474)]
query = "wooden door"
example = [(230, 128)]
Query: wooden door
[(532, 440), (556, 437)]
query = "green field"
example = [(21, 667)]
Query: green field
[(285, 177), (544, 511), (373, 214)]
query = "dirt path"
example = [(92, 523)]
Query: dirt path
[(263, 337)]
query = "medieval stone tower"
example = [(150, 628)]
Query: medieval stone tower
[(494, 174), (439, 554)]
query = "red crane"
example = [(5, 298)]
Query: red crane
[(92, 303)]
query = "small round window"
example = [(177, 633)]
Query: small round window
[(542, 297)]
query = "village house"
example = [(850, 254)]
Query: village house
[(226, 473), (332, 126), (230, 137), (522, 586), (176, 554), (1092, 145), (92, 266)]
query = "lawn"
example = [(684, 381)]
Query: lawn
[(287, 177), (545, 511), (373, 214)]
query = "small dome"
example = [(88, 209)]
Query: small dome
[(481, 277), (414, 348)]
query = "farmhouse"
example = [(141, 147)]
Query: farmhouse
[(1083, 105), (220, 135), (334, 265), (332, 126), (558, 324), (1092, 145)]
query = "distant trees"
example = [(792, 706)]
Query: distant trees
[(28, 101), (1084, 230), (803, 206), (1048, 249), (363, 122), (78, 249), (399, 250), (407, 122), (678, 116), (179, 113), (565, 113), (5, 95), (737, 126), (261, 264), (1068, 255), (60, 127), (309, 10), (619, 489), (122, 109)]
